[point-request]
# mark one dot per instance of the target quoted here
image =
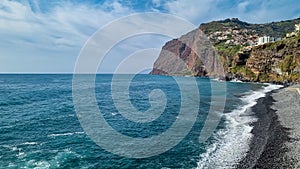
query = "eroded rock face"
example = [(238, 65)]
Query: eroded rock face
[(241, 58), (192, 54), (277, 61)]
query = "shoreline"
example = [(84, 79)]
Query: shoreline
[(268, 147)]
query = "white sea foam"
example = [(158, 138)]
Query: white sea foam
[(217, 79), (21, 154), (61, 157), (55, 162), (29, 143), (64, 134), (11, 165), (236, 81), (11, 147), (14, 148), (233, 142), (38, 164), (113, 114)]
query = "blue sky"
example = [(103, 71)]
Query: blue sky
[(46, 36)]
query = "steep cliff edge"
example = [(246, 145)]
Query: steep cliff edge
[(192, 54)]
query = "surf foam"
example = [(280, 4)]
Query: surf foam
[(64, 134), (232, 143)]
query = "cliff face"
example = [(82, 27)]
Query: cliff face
[(192, 54), (277, 61), (271, 62)]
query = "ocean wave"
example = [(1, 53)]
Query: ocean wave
[(11, 165), (58, 161), (113, 113), (217, 79), (64, 156), (38, 164), (232, 143), (29, 143), (10, 147), (64, 134), (21, 154), (237, 81)]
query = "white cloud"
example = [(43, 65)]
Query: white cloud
[(59, 33), (156, 3), (255, 11), (192, 10), (242, 7), (73, 23)]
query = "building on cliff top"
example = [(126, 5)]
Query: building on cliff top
[(265, 39)]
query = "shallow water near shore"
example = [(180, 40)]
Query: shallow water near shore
[(39, 126)]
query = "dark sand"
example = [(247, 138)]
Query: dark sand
[(274, 143)]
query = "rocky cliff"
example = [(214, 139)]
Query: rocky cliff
[(222, 48), (192, 54), (275, 62)]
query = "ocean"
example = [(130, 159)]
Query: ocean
[(41, 126)]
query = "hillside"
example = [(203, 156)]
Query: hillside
[(276, 61), (274, 29), (231, 35), (236, 50), (271, 62)]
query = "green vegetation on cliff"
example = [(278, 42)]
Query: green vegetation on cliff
[(277, 61), (228, 52), (243, 71), (288, 64), (274, 29)]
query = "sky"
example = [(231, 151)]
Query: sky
[(39, 36)]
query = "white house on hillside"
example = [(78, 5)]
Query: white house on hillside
[(265, 39)]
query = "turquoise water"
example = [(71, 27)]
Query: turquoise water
[(39, 127)]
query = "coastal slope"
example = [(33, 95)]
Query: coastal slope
[(229, 47), (272, 62)]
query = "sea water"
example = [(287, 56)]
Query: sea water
[(39, 127)]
